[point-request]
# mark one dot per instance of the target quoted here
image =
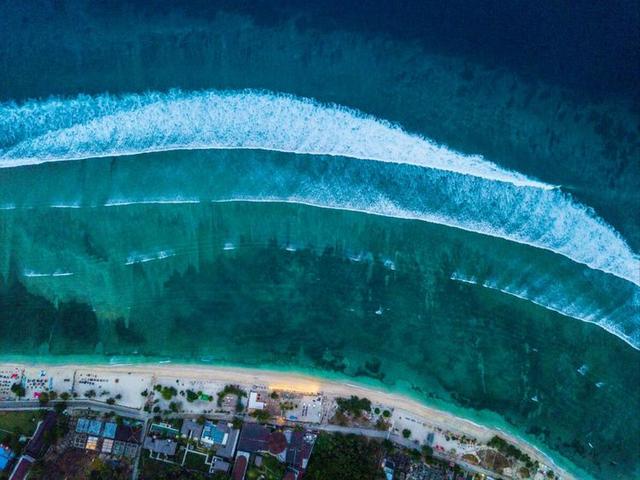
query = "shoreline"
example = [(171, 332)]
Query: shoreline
[(306, 383)]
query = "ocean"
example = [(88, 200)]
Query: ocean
[(439, 200)]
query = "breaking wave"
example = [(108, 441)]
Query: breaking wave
[(88, 127), (456, 190), (627, 330)]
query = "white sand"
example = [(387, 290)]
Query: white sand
[(407, 413)]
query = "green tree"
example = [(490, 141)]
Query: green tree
[(60, 407), (168, 393), (261, 416), (43, 398), (354, 405), (236, 423), (18, 390), (352, 457), (406, 433), (192, 396)]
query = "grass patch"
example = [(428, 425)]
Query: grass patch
[(18, 422), (196, 462)]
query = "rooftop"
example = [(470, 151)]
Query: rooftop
[(254, 438), (229, 448), (37, 444), (21, 469), (156, 445), (6, 454), (300, 447), (239, 468), (191, 427)]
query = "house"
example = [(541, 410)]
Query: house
[(128, 433), (228, 449), (21, 470), (257, 400), (160, 446), (300, 445), (277, 444), (37, 445), (191, 429), (212, 435), (254, 438), (219, 465), (240, 466), (222, 435), (6, 455)]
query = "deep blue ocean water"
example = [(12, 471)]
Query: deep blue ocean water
[(199, 180)]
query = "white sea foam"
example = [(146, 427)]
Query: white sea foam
[(87, 127), (120, 202), (463, 191), (146, 257), (595, 317), (57, 273), (583, 370), (544, 219)]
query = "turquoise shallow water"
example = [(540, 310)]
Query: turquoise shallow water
[(376, 208), (332, 292)]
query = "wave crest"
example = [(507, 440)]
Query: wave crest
[(87, 127)]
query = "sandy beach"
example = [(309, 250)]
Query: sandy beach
[(143, 376)]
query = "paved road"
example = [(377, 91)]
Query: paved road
[(83, 403)]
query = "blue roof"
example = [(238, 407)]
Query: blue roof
[(82, 426), (5, 456), (95, 426), (109, 430)]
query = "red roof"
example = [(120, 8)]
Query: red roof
[(240, 467), (289, 476), (277, 443), (21, 470)]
